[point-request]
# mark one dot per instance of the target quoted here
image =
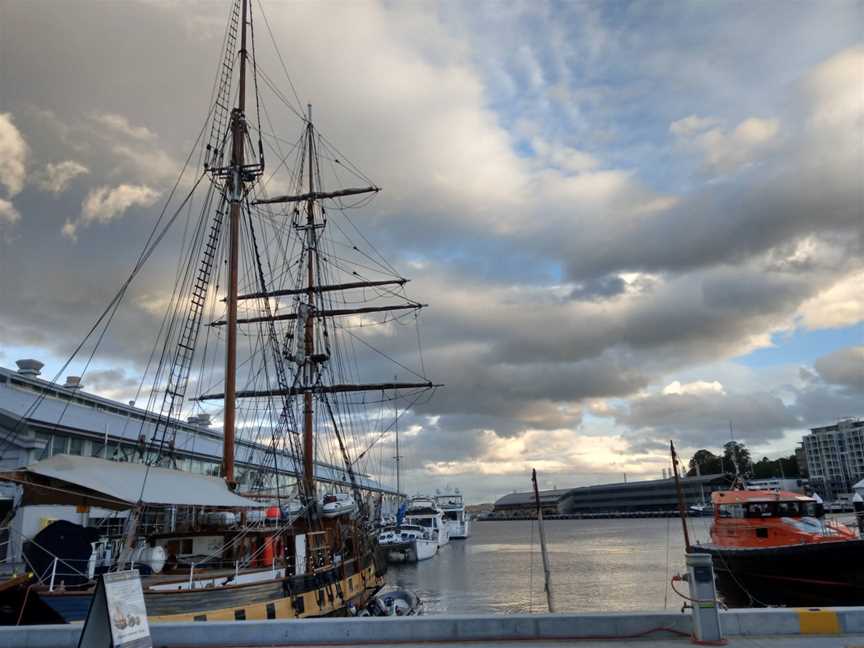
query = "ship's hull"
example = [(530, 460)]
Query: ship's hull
[(822, 573), (411, 551), (459, 531), (325, 594), (443, 536)]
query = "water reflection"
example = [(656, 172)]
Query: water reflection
[(596, 565)]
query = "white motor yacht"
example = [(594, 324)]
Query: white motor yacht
[(409, 543), (455, 517), (423, 511)]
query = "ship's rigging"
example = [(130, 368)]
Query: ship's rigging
[(279, 302), (302, 290), (276, 311)]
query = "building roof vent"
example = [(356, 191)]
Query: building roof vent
[(73, 383), (29, 367)]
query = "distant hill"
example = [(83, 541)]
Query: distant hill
[(479, 508)]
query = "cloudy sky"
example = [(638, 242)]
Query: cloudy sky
[(632, 221)]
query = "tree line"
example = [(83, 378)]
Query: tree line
[(735, 458)]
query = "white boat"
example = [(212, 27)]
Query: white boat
[(455, 517), (409, 543), (337, 504), (292, 509), (423, 511)]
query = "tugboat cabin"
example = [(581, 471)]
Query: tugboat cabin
[(770, 519)]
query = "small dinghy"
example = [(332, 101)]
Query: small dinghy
[(392, 603), (337, 504)]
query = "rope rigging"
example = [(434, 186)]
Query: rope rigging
[(277, 245)]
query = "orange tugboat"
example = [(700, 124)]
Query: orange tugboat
[(777, 548)]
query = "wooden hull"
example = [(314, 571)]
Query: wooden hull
[(285, 598), (821, 574)]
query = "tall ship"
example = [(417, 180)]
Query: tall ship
[(455, 518), (263, 331)]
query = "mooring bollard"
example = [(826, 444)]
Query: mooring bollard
[(703, 595)]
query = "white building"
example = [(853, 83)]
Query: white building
[(835, 457), (792, 485)]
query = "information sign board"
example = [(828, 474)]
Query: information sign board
[(118, 615)]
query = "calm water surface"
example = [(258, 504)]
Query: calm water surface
[(596, 565)]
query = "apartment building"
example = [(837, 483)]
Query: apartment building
[(835, 457)]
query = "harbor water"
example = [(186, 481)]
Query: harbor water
[(597, 565)]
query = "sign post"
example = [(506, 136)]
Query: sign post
[(118, 616)]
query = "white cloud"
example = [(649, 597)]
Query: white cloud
[(839, 305), (695, 387), (843, 367), (13, 156), (56, 176), (104, 204), (150, 163), (691, 125), (120, 124), (724, 151), (835, 90), (563, 157), (8, 213)]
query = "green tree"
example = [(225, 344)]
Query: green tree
[(735, 454), (767, 468), (704, 462)]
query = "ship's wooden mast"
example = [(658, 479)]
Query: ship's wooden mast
[(309, 333), (236, 191), (308, 312), (547, 572), (682, 510)]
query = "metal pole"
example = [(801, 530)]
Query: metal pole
[(550, 601), (53, 574)]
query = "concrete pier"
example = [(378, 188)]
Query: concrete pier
[(835, 627)]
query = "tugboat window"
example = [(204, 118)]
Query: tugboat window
[(731, 511), (759, 509)]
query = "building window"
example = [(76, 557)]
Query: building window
[(76, 446), (59, 444)]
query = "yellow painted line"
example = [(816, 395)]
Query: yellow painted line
[(817, 621)]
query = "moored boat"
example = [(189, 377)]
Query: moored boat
[(424, 512), (338, 504), (456, 520), (777, 548), (408, 543)]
